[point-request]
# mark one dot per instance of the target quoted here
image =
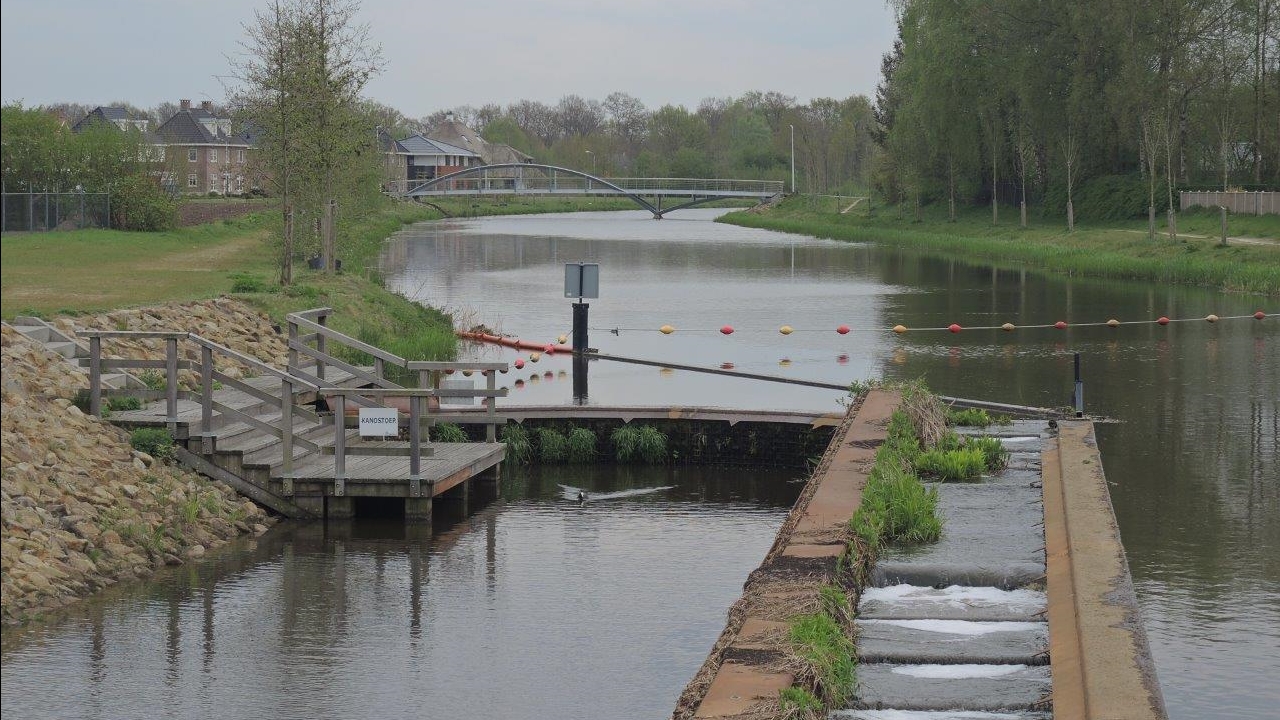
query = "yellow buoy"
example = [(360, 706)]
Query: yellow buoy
[(1113, 323), (786, 330), (535, 357), (466, 373), (899, 329), (1008, 327), (784, 362), (1211, 318), (562, 339), (666, 329)]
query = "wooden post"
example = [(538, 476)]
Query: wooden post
[(378, 367), (206, 400), (320, 347), (415, 446), (1223, 210), (95, 376), (491, 430), (286, 432), (293, 352), (340, 447), (171, 383)]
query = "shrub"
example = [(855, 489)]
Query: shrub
[(968, 417), (449, 433), (156, 442), (138, 203), (652, 445), (153, 379), (625, 439), (962, 464), (246, 283), (994, 454), (81, 400), (581, 445), (519, 445), (124, 403), (553, 447)]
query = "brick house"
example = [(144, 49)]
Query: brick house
[(205, 155)]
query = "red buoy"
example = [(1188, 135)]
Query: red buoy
[(954, 328), (1259, 315), (519, 363), (843, 359), (726, 366), (1060, 325), (726, 330), (843, 329), (1163, 320)]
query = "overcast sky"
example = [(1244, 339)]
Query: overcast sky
[(441, 55)]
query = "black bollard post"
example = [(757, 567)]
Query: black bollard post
[(1078, 395), (580, 352)]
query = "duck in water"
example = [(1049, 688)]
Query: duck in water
[(582, 496)]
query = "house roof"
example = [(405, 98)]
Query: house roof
[(420, 145), (388, 144), (459, 135), (185, 128), (117, 117)]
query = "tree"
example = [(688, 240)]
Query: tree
[(304, 67)]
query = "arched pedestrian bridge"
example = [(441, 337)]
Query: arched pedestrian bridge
[(533, 179)]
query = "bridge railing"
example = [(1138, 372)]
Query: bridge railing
[(539, 181)]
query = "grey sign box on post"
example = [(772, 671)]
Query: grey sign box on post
[(582, 280)]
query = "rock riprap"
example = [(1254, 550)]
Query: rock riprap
[(80, 508)]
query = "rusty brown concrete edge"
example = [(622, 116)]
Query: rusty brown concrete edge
[(1099, 656), (734, 688)]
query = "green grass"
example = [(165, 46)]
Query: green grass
[(1119, 250), (581, 446), (994, 454), (639, 443), (963, 464), (820, 641), (156, 442), (519, 444), (449, 433), (553, 446)]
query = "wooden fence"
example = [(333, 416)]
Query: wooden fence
[(1239, 203)]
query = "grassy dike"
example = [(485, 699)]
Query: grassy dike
[(72, 273), (1120, 251)]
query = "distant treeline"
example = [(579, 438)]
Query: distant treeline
[(1112, 102), (744, 137)]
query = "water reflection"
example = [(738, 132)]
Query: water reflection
[(524, 604)]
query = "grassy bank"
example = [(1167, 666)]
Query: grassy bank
[(1121, 250), (70, 273)]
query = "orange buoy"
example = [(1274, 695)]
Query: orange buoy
[(786, 330), (1114, 323), (1211, 318), (535, 357), (1163, 320), (954, 328), (519, 363), (666, 329), (1259, 315), (899, 329), (1008, 327), (1060, 325), (843, 329), (726, 330)]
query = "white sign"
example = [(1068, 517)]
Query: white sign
[(378, 422), (582, 280)]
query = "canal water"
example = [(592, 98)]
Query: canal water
[(529, 605)]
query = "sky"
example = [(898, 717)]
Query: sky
[(442, 55)]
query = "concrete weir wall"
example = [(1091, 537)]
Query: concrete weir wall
[(1099, 658)]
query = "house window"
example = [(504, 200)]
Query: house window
[(239, 183), (213, 155), (191, 180), (240, 155), (191, 155), (226, 155)]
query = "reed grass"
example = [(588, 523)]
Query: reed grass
[(581, 446), (827, 654), (963, 464), (644, 443), (449, 433), (519, 444), (553, 446)]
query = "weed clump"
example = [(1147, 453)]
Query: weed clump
[(553, 446), (826, 651), (639, 442), (450, 433), (519, 444), (156, 442), (581, 445)]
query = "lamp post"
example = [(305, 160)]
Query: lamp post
[(593, 161), (793, 159)]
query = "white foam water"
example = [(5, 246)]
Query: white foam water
[(956, 596), (957, 672), (958, 627), (571, 493), (923, 715)]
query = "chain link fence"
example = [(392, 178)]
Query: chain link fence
[(37, 212)]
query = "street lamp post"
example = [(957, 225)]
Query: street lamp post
[(793, 159), (593, 161)]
